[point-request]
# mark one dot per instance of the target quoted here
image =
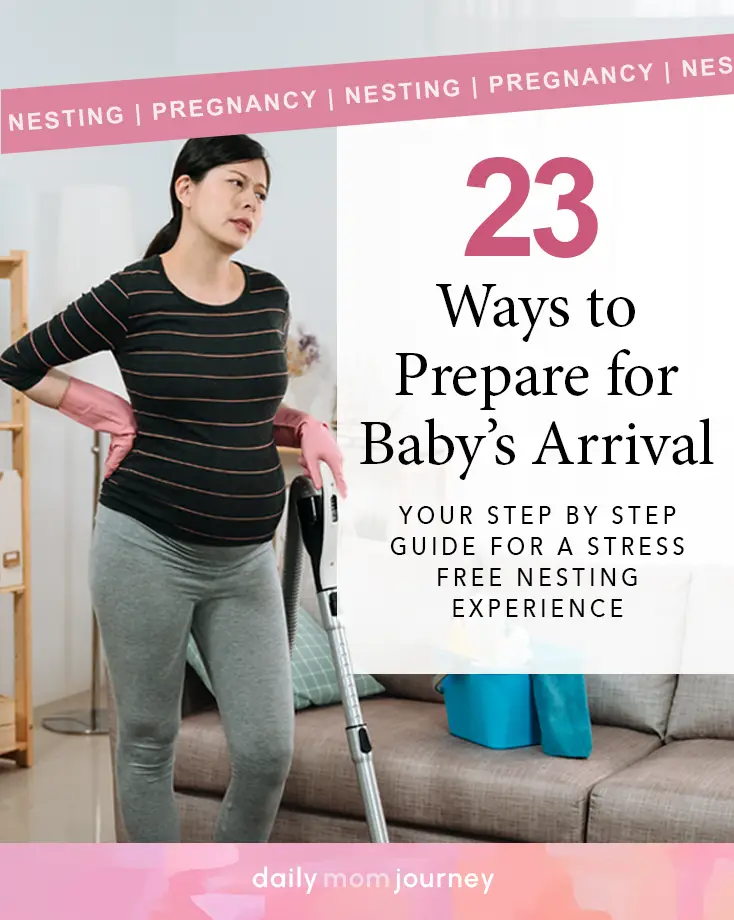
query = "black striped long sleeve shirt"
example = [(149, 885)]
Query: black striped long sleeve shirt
[(204, 383)]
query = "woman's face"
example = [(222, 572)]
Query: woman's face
[(227, 204)]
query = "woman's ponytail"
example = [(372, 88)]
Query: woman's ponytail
[(165, 238)]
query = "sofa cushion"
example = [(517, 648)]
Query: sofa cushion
[(703, 707), (638, 701), (431, 779), (293, 826), (683, 792), (427, 777)]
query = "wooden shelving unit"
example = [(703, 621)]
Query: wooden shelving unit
[(14, 268)]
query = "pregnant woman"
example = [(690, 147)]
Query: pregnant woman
[(194, 488)]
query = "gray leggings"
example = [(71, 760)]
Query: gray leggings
[(149, 592)]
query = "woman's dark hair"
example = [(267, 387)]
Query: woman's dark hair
[(199, 155)]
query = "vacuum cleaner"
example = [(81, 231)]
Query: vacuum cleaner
[(312, 522)]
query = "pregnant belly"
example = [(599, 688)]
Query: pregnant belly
[(206, 482), (224, 494)]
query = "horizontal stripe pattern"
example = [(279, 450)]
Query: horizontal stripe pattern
[(205, 383)]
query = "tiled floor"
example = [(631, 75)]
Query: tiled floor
[(66, 796)]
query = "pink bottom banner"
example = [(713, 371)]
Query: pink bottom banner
[(410, 881)]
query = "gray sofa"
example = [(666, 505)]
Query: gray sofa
[(662, 770)]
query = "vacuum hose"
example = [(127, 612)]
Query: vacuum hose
[(300, 489)]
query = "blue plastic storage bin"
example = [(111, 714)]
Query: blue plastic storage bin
[(493, 710)]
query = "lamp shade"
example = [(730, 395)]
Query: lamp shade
[(95, 239)]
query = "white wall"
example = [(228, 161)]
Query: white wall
[(51, 42)]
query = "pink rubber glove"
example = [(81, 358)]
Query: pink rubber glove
[(102, 411), (293, 428)]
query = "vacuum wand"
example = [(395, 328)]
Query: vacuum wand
[(313, 517)]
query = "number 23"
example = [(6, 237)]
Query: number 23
[(485, 242)]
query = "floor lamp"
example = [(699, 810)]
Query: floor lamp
[(95, 238)]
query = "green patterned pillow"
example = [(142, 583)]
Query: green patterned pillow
[(315, 682)]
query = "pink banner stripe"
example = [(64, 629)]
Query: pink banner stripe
[(288, 99), (389, 882)]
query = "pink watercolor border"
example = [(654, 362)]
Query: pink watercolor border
[(530, 881), (328, 107)]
